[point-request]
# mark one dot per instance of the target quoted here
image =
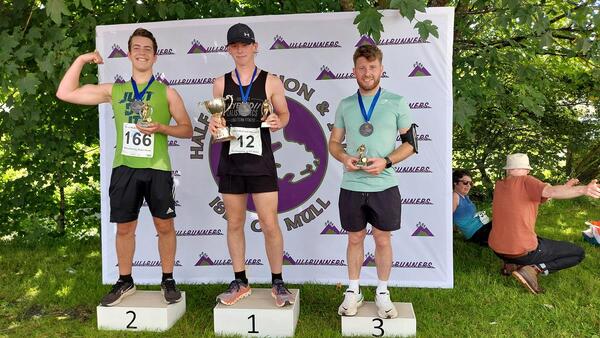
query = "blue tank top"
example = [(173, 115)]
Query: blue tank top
[(464, 217)]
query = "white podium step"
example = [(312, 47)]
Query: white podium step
[(142, 311), (257, 316), (367, 323)]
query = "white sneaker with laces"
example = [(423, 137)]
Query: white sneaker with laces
[(385, 307), (352, 301)]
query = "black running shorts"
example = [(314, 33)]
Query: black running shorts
[(381, 209), (129, 187), (235, 184)]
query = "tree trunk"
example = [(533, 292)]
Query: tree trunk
[(437, 3), (347, 5), (60, 227)]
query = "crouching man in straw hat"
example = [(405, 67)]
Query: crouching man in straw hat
[(513, 238)]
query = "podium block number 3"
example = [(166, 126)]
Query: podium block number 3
[(130, 325), (253, 319), (379, 327)]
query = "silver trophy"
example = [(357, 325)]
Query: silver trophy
[(217, 108)]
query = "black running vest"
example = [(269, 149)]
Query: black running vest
[(247, 164)]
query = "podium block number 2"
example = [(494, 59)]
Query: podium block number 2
[(253, 319), (133, 315), (378, 327)]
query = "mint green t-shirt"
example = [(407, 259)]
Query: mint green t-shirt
[(156, 96), (390, 114)]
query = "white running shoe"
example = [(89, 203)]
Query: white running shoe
[(352, 301), (385, 307)]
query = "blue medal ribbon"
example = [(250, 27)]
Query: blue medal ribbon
[(365, 114), (137, 95), (245, 95)]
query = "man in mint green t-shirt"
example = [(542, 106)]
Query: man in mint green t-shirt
[(370, 120), (141, 167)]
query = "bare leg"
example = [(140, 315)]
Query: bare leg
[(355, 253), (266, 208), (167, 242), (383, 253), (125, 245), (235, 206)]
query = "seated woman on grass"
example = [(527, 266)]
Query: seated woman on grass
[(475, 226)]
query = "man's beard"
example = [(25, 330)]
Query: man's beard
[(364, 87)]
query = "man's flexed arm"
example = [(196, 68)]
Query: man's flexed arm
[(70, 91)]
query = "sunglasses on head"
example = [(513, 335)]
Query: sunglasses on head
[(467, 183)]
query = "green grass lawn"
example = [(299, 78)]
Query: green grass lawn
[(51, 289)]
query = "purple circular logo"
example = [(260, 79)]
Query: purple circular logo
[(301, 155)]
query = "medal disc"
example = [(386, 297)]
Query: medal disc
[(136, 106), (244, 109), (366, 129)]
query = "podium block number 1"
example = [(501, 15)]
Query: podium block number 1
[(253, 318), (379, 327), (133, 315)]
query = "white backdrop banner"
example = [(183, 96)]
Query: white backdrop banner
[(312, 54)]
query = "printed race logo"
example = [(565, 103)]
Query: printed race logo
[(173, 143), (289, 260), (418, 201), (419, 105), (119, 79), (422, 231), (413, 170), (198, 48), (327, 74), (370, 262), (150, 263), (205, 260), (419, 70), (117, 52), (301, 156), (331, 229), (280, 43), (184, 81), (366, 40)]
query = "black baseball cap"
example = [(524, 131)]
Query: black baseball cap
[(240, 33)]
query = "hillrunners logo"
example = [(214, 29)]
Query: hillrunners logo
[(205, 260), (419, 70), (420, 137), (331, 229), (422, 231), (150, 263), (413, 170), (280, 43), (419, 105), (370, 262), (327, 74), (185, 81), (198, 48), (366, 40), (288, 260), (119, 79), (417, 201), (117, 52), (173, 143)]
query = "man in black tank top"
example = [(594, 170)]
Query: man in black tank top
[(247, 165)]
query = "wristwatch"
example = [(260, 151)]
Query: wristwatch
[(388, 162)]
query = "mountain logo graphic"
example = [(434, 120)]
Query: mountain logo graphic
[(419, 71), (422, 231), (117, 52)]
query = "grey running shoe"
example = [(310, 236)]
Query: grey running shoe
[(282, 295), (170, 291), (120, 290), (352, 301), (236, 291)]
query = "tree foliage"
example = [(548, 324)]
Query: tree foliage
[(526, 78)]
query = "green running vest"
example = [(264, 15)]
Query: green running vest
[(156, 96)]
